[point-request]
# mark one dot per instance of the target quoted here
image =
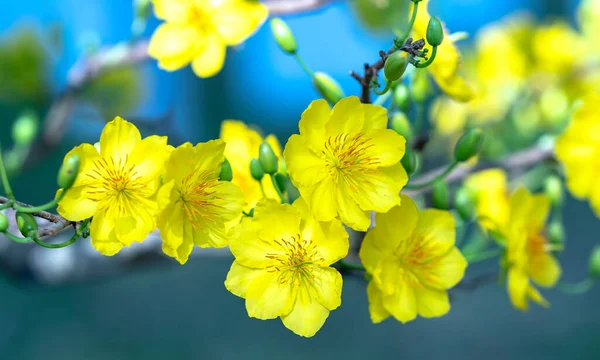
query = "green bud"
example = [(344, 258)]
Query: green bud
[(402, 97), (556, 232), (400, 124), (256, 170), (410, 161), (439, 195), (594, 265), (68, 172), (329, 89), (281, 181), (553, 187), (283, 36), (468, 145), (3, 223), (226, 172), (25, 129), (282, 166), (26, 223), (464, 204), (421, 86), (435, 32), (395, 66), (142, 8), (267, 158)]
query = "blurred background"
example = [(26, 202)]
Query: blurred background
[(73, 304)]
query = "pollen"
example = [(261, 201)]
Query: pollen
[(295, 261), (199, 198)]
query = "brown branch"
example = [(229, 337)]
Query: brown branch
[(289, 7), (59, 222), (524, 159)]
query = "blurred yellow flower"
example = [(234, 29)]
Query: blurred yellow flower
[(489, 189), (413, 261), (241, 146), (282, 265), (345, 162), (117, 186), (578, 149), (528, 251), (548, 48), (444, 68), (198, 32), (196, 208)]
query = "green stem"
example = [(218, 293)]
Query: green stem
[(6, 205), (420, 65), (482, 256), (348, 266), (262, 189), (429, 183), (411, 24), (5, 182), (74, 238), (382, 99), (303, 65), (44, 207), (388, 85), (279, 192), (577, 288), (16, 239)]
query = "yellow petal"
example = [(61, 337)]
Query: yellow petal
[(103, 236), (238, 20), (210, 156), (444, 273), (211, 58), (182, 252), (239, 279), (375, 118), (172, 10), (350, 213), (303, 165), (274, 221), (517, 289), (326, 287), (378, 190), (268, 298), (347, 116), (389, 234), (436, 226), (149, 156), (402, 304), (118, 139), (76, 206), (312, 124), (88, 154), (376, 309), (175, 45), (544, 269), (330, 237), (250, 250), (307, 315), (385, 147), (321, 198), (388, 274), (528, 211), (432, 303), (534, 294), (370, 254)]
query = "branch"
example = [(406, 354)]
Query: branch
[(60, 223), (521, 160), (289, 7)]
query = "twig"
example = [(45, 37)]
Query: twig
[(523, 159), (60, 223)]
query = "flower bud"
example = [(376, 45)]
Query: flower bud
[(68, 172), (267, 158), (553, 188), (3, 223), (439, 195), (435, 32), (25, 129), (395, 66), (142, 8), (410, 161), (283, 36), (468, 145), (464, 204), (226, 172), (402, 97), (256, 170), (556, 232), (329, 89), (26, 223), (594, 264), (400, 124)]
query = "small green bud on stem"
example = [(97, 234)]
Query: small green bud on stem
[(26, 223), (439, 195), (402, 97), (267, 158), (226, 171), (468, 145), (464, 204), (400, 124), (410, 161), (68, 172), (26, 128), (3, 223), (256, 170), (329, 89), (435, 32), (283, 36), (553, 187), (594, 264), (395, 66)]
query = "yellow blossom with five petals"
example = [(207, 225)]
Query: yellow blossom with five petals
[(282, 265), (241, 146), (345, 162), (413, 261), (117, 185), (196, 208), (199, 31)]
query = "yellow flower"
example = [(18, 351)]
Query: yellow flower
[(444, 68), (242, 146), (579, 151), (345, 162), (413, 260), (489, 189), (528, 252), (282, 265), (198, 31), (196, 208), (548, 47), (117, 186)]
